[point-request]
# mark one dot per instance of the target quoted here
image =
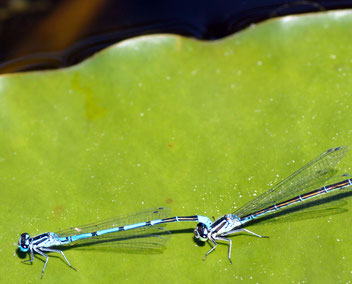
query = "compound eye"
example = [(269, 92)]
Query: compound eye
[(23, 242), (201, 232)]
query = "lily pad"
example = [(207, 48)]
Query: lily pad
[(199, 127)]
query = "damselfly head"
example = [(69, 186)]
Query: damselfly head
[(201, 232), (23, 242)]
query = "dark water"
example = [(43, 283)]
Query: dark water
[(48, 34)]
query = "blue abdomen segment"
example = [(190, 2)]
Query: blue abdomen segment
[(205, 220), (85, 236), (80, 237)]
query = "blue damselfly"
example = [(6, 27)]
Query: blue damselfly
[(294, 189)]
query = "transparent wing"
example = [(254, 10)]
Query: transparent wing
[(312, 174), (321, 206), (151, 238)]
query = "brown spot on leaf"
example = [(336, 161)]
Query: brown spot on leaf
[(58, 210)]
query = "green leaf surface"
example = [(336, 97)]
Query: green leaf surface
[(199, 127)]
